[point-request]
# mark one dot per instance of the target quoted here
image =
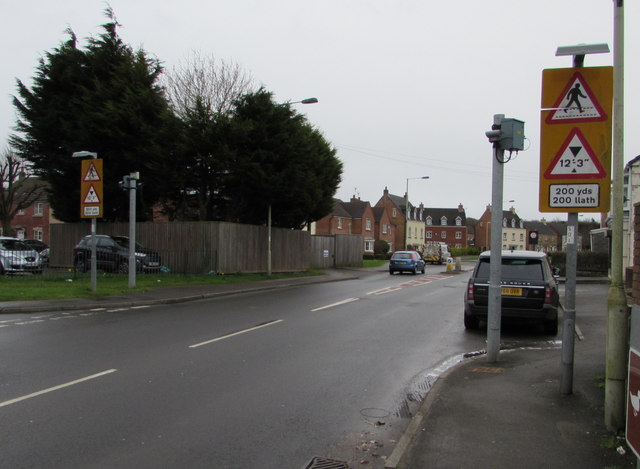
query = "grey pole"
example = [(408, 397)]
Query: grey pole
[(94, 256), (569, 315), (495, 273), (617, 347), (269, 241), (133, 183)]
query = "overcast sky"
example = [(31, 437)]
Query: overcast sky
[(406, 88)]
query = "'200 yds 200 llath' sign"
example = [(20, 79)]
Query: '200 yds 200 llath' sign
[(574, 195)]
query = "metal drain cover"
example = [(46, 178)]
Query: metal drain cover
[(324, 463)]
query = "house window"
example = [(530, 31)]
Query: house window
[(513, 236), (429, 221), (458, 221), (339, 223), (429, 235), (458, 235), (513, 223), (368, 224), (20, 212), (37, 234), (521, 237), (368, 245), (443, 221), (394, 212), (38, 209), (443, 235), (504, 236), (384, 228), (421, 233)]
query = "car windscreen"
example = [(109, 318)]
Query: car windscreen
[(514, 269), (401, 255), (13, 245)]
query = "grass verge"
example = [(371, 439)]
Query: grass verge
[(60, 285)]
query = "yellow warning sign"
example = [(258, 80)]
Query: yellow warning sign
[(91, 200), (575, 140)]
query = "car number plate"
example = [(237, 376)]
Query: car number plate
[(509, 291), (401, 262)]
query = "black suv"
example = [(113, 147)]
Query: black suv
[(529, 290), (112, 255)]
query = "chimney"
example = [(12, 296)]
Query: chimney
[(386, 191), (460, 207)]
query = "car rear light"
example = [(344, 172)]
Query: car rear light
[(547, 296), (470, 291)]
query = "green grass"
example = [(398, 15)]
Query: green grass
[(71, 285), (373, 262)]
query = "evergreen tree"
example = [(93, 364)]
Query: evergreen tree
[(103, 99), (281, 161)]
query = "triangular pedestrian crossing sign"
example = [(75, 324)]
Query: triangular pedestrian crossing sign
[(92, 196), (576, 104), (575, 159), (91, 174)]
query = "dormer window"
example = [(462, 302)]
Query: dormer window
[(443, 221), (513, 223), (504, 222), (429, 221), (458, 221)]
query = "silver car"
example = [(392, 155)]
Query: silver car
[(16, 257)]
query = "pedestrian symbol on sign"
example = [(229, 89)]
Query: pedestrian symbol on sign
[(576, 104)]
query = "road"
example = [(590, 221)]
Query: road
[(268, 379)]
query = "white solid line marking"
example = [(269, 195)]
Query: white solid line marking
[(271, 323), (348, 300), (55, 388)]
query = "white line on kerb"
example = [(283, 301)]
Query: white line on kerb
[(55, 388), (348, 300), (271, 323)]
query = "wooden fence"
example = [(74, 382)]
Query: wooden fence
[(202, 247)]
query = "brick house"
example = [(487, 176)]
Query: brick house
[(395, 207), (547, 238), (448, 225), (514, 234), (353, 217), (384, 230)]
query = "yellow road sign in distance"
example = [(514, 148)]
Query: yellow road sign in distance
[(575, 141), (91, 181)]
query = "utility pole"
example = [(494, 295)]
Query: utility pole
[(505, 134), (618, 310)]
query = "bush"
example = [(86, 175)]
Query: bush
[(461, 252), (590, 264)]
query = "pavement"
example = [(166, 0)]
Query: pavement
[(507, 414)]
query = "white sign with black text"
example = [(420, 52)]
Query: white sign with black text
[(574, 195)]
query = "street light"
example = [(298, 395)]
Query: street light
[(302, 101), (406, 212)]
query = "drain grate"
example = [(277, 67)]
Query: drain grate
[(324, 463)]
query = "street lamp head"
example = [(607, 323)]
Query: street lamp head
[(305, 101)]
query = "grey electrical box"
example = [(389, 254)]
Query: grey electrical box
[(512, 135)]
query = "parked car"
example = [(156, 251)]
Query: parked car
[(112, 255), (16, 257), (39, 246), (406, 261), (529, 290)]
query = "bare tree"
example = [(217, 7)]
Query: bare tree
[(19, 188), (205, 82)]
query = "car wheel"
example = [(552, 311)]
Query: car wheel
[(123, 267), (471, 322), (391, 272), (423, 269), (80, 265)]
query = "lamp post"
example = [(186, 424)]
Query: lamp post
[(269, 247), (406, 212)]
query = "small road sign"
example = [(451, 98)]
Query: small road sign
[(91, 177), (575, 147)]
